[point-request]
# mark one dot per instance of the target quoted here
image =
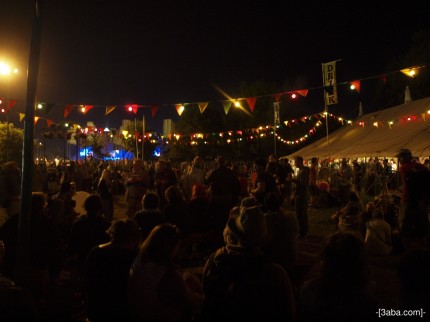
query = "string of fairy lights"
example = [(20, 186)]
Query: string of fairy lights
[(229, 136)]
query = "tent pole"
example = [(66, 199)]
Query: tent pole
[(326, 116)]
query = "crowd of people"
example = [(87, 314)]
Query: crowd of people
[(209, 241)]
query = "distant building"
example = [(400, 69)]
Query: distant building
[(168, 127)]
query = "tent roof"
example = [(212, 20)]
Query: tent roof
[(355, 141)]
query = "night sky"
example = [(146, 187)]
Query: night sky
[(167, 52)]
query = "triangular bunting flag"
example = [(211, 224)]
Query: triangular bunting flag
[(86, 108), (67, 109), (154, 109), (132, 107), (49, 122), (277, 97), (36, 118), (410, 72), (202, 106), (10, 105), (383, 78), (355, 85), (303, 92), (251, 102), (226, 105), (179, 108), (21, 116), (109, 109)]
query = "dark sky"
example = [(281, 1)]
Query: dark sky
[(102, 53)]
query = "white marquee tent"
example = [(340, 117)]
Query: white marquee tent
[(377, 137)]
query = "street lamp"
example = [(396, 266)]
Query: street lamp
[(124, 137)]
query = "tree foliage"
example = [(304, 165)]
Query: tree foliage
[(12, 141)]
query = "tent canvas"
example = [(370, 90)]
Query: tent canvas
[(410, 129)]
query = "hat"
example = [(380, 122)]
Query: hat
[(404, 152), (248, 228)]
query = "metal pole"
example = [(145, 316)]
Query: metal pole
[(44, 149), (24, 224), (274, 139), (143, 136), (7, 136), (326, 115), (136, 138), (77, 147), (276, 122), (65, 149)]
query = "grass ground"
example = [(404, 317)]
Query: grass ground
[(320, 222)]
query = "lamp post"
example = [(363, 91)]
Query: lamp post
[(133, 108), (124, 137)]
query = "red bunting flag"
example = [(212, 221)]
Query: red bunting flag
[(251, 102), (86, 108), (132, 108), (356, 85), (303, 92), (10, 105), (154, 109), (67, 109)]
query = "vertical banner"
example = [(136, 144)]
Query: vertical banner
[(329, 83), (277, 119)]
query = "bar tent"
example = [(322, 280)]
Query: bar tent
[(373, 135)]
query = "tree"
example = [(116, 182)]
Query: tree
[(13, 141), (391, 92), (132, 142)]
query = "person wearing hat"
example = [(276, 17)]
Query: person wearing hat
[(239, 282), (414, 220)]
